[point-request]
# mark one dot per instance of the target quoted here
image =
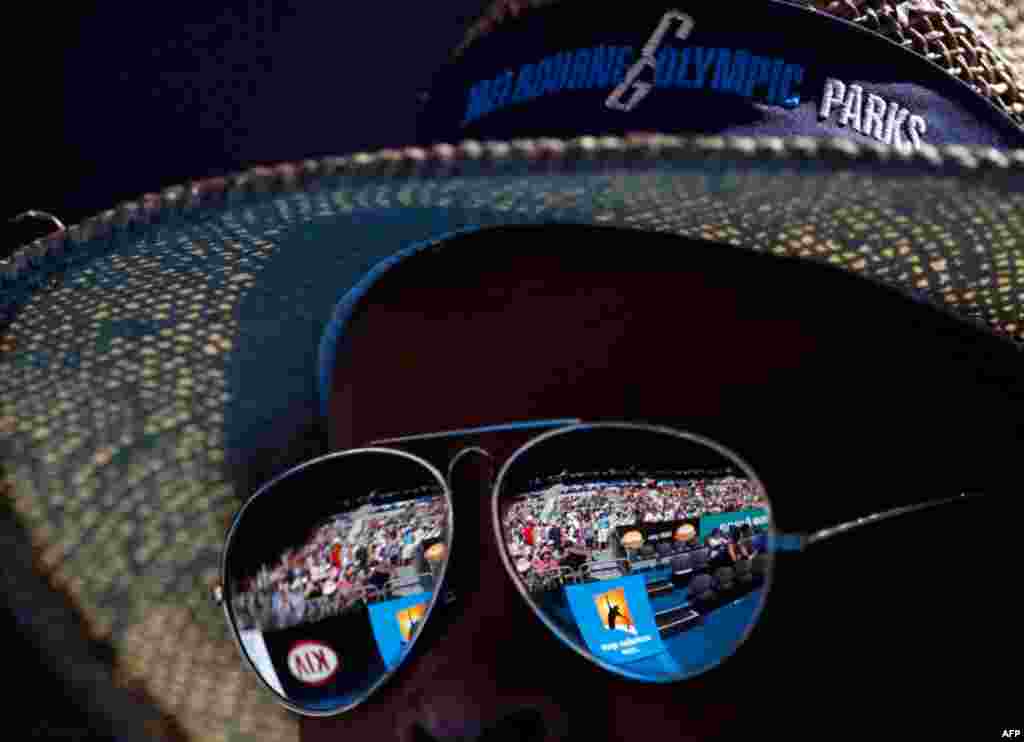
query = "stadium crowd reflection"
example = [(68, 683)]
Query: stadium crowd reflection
[(646, 571), (376, 552)]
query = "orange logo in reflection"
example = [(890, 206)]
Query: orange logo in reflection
[(613, 611), (409, 618), (685, 532)]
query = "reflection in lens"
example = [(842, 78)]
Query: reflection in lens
[(645, 548), (331, 572)]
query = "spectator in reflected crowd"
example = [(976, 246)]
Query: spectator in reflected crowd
[(556, 536), (574, 559), (603, 531), (760, 540), (586, 515), (298, 600), (347, 582), (408, 548), (540, 564), (718, 544), (394, 550), (282, 606), (380, 575), (278, 605), (320, 577), (740, 546)]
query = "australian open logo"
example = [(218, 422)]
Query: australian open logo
[(409, 620), (631, 77), (613, 611), (313, 663)]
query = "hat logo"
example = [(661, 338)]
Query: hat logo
[(871, 115), (313, 663), (647, 61)]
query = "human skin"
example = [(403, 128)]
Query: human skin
[(527, 335), (383, 390)]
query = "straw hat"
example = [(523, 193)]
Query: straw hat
[(156, 311)]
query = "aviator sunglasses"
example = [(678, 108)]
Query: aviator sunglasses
[(648, 550)]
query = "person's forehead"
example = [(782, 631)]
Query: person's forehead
[(528, 335)]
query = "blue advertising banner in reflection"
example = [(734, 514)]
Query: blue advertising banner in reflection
[(394, 624), (756, 518), (616, 619)]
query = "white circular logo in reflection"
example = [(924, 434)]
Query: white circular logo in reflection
[(313, 663)]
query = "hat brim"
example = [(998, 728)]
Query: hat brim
[(146, 349)]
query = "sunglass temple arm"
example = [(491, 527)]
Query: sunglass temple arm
[(800, 541)]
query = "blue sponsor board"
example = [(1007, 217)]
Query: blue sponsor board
[(616, 619), (757, 518), (395, 623)]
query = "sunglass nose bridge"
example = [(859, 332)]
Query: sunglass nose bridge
[(484, 465)]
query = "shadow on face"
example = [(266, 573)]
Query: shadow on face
[(829, 386)]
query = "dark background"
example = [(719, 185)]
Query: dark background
[(112, 100), (107, 101)]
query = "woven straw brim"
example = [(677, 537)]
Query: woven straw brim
[(1002, 21), (946, 35), (143, 352)]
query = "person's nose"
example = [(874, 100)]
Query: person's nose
[(480, 682)]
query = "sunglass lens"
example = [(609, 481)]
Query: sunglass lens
[(331, 571), (645, 549)]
